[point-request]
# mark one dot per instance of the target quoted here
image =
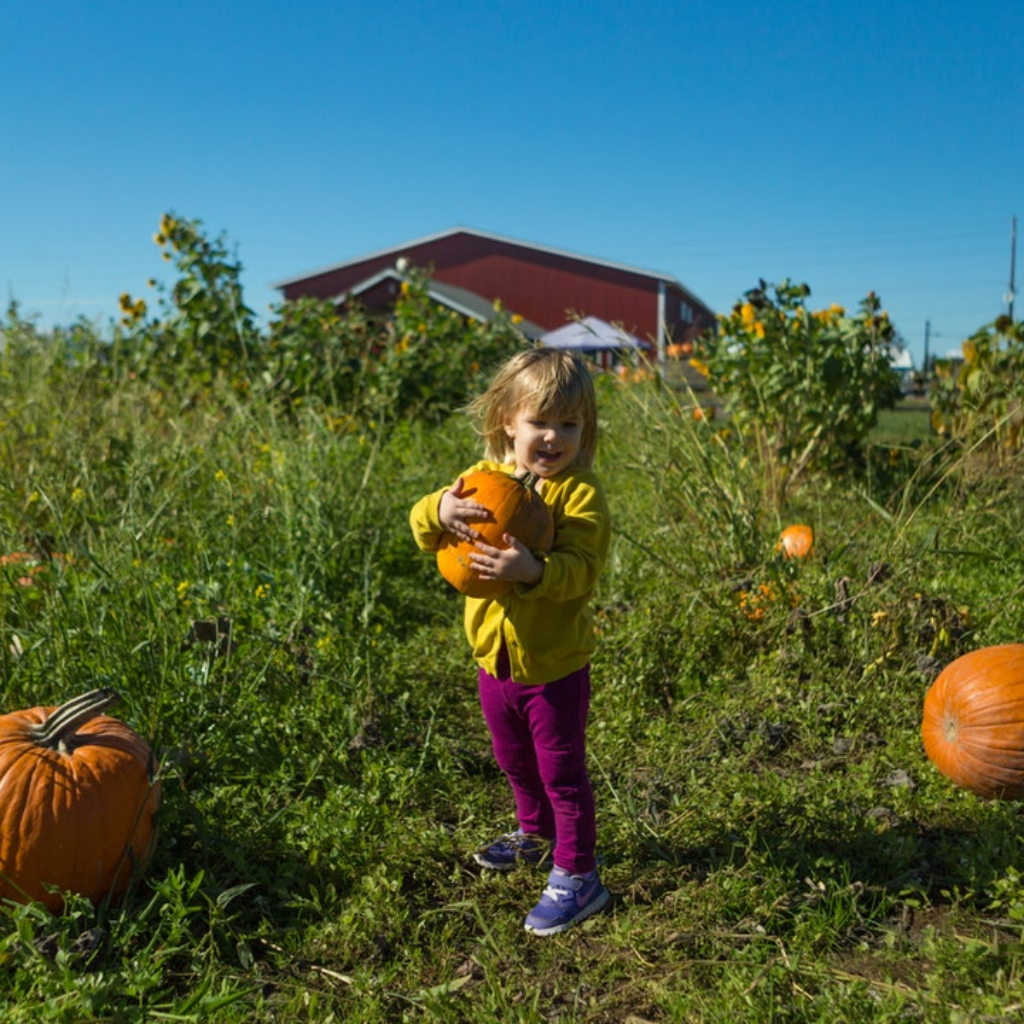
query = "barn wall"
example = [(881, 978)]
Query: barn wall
[(544, 287)]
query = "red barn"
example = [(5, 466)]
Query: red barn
[(546, 287)]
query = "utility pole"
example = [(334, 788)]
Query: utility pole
[(927, 335), (1013, 266)]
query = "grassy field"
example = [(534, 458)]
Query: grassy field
[(777, 844), (908, 423)]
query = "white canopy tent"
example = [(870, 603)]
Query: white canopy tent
[(591, 334)]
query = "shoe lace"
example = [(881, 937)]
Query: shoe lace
[(560, 891), (525, 842), (517, 841)]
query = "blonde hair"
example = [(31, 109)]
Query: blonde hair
[(545, 381)]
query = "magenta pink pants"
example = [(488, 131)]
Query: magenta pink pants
[(539, 739)]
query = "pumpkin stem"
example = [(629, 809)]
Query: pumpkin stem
[(61, 724), (529, 480)]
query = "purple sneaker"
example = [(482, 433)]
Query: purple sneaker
[(567, 900), (514, 848)]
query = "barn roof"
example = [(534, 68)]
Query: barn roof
[(461, 300), (397, 250)]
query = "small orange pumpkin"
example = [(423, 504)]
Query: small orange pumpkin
[(515, 508), (29, 568), (796, 541), (76, 801), (973, 724)]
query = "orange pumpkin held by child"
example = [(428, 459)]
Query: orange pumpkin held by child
[(76, 802), (796, 541), (516, 508), (973, 725)]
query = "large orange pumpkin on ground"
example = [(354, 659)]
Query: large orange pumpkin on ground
[(796, 541), (76, 801), (973, 725), (516, 508)]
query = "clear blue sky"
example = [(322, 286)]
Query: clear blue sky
[(856, 147)]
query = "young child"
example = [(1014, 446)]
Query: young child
[(533, 642)]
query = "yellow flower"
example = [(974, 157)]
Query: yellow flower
[(262, 590), (78, 495), (759, 329), (220, 476), (748, 315), (830, 315), (230, 519), (183, 589)]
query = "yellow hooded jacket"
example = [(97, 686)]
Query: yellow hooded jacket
[(546, 628)]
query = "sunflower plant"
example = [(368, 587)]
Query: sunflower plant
[(201, 329), (803, 386), (979, 400)]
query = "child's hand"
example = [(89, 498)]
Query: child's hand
[(455, 513), (516, 563)]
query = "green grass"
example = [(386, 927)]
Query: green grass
[(777, 845), (908, 423)]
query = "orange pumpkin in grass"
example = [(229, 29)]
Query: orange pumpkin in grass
[(28, 568), (76, 801), (516, 508), (973, 724), (796, 541)]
